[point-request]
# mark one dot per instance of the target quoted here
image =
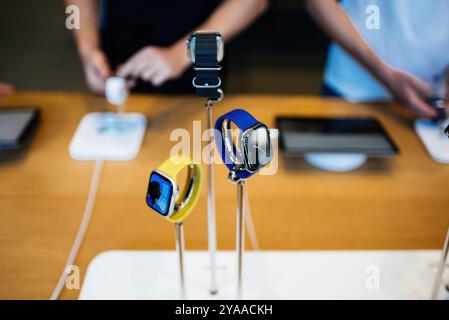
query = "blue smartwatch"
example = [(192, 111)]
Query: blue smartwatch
[(253, 149)]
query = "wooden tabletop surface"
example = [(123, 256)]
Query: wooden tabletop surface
[(396, 203)]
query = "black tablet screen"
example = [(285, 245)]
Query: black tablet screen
[(334, 135), (13, 126)]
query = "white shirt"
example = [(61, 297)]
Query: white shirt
[(413, 36)]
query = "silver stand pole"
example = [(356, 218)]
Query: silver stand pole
[(240, 239), (180, 250), (441, 266), (212, 228)]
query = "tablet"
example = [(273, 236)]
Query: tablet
[(15, 126), (303, 135)]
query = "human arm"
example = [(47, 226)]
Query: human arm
[(95, 63), (157, 64), (405, 87)]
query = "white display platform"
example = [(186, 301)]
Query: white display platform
[(108, 136), (432, 136), (267, 275)]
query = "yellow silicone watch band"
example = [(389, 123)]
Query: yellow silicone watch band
[(172, 167)]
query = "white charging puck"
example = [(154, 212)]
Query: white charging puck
[(116, 90)]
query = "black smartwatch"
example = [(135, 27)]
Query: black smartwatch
[(206, 50)]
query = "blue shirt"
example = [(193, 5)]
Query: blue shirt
[(413, 36)]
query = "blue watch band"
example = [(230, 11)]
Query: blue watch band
[(243, 120)]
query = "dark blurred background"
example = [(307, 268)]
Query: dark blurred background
[(283, 52)]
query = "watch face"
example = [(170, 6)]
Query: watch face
[(257, 149), (160, 194), (191, 45)]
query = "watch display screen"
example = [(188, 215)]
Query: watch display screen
[(159, 194), (257, 147)]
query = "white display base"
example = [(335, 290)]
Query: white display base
[(267, 275), (108, 136), (433, 137), (336, 162)]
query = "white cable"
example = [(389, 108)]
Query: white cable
[(249, 223), (83, 228)]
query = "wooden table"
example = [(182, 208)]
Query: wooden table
[(398, 203)]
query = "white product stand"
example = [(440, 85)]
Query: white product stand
[(267, 275), (109, 135), (434, 139)]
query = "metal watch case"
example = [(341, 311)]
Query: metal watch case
[(174, 195), (256, 147), (177, 202)]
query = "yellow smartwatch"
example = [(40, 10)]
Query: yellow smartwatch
[(163, 194)]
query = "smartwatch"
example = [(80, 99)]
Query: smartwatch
[(206, 50), (163, 194), (253, 150), (439, 104)]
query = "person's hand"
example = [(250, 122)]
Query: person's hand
[(5, 89), (96, 69), (410, 91), (156, 64)]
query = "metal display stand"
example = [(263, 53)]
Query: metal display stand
[(211, 220), (206, 49), (240, 235), (441, 266), (179, 231)]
